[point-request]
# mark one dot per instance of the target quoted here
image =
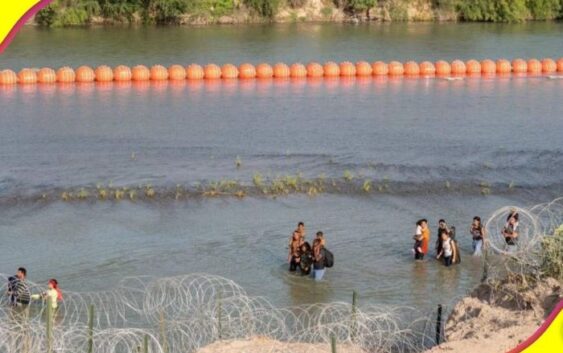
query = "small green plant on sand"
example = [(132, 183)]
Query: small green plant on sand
[(348, 176)]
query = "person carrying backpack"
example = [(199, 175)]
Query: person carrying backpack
[(322, 258)]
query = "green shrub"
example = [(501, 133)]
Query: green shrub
[(552, 254), (544, 9), (72, 17), (47, 16), (494, 10), (265, 8)]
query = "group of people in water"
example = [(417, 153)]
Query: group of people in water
[(20, 296), (310, 260), (447, 249)]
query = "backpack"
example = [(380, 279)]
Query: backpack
[(329, 258)]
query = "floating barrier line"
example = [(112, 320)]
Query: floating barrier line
[(440, 68)]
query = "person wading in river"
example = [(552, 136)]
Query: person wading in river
[(294, 256), (477, 232)]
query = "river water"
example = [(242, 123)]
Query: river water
[(433, 146)]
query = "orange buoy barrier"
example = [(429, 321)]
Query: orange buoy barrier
[(212, 72), (159, 73), (8, 77), (229, 71), (503, 66), (46, 75), (297, 70), (331, 69), (548, 66), (27, 76), (247, 71), (66, 75), (412, 68), (264, 71), (458, 68), (176, 72), (427, 68), (347, 69), (195, 72), (473, 67), (396, 68), (363, 68), (121, 73), (488, 67), (519, 66), (534, 66), (281, 70), (315, 69), (140, 73), (380, 68)]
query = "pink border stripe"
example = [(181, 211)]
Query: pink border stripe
[(11, 35), (533, 338)]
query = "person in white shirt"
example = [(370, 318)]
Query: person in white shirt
[(448, 249)]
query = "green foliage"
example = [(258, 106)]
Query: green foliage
[(46, 17), (545, 9), (494, 10), (265, 8), (552, 254)]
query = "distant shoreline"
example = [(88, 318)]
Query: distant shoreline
[(231, 12)]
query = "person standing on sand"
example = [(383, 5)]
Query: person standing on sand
[(477, 232)]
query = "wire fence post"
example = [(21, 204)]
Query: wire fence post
[(219, 315), (439, 325), (333, 343), (354, 314), (91, 328), (49, 325), (146, 344), (163, 338), (485, 274)]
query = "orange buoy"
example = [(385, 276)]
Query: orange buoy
[(212, 72), (331, 69), (281, 70), (84, 74), (159, 73), (473, 67), (363, 68), (443, 68), (396, 68), (105, 73), (247, 71), (488, 67), (427, 68), (503, 66), (140, 73), (264, 71), (177, 72), (26, 76), (534, 66), (519, 66), (229, 71), (347, 69), (315, 70), (380, 68), (560, 65), (46, 75), (458, 68), (65, 75), (412, 68), (8, 77), (121, 73), (195, 72), (297, 70), (548, 66)]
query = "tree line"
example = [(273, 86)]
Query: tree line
[(82, 12)]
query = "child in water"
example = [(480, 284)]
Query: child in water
[(448, 248)]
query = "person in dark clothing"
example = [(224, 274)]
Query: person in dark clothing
[(318, 260), (306, 260), (18, 289), (294, 256)]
